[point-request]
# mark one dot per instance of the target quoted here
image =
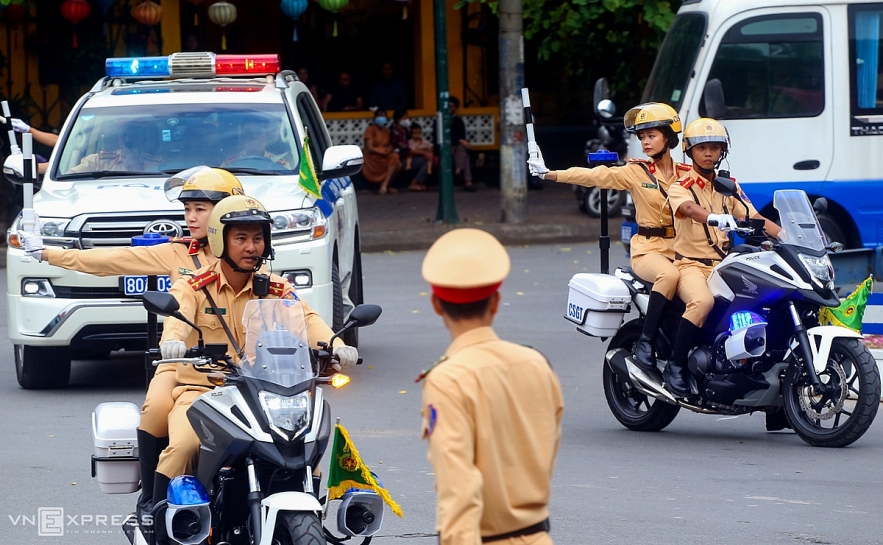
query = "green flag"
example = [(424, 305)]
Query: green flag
[(307, 178), (851, 310), (348, 471)]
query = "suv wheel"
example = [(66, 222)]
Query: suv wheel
[(351, 337), (38, 368), (336, 297)]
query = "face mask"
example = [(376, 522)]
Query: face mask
[(405, 123), (380, 121)]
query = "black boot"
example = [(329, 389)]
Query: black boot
[(676, 375), (149, 448), (644, 349)]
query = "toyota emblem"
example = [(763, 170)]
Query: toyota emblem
[(169, 228)]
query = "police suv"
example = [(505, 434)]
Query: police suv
[(151, 118)]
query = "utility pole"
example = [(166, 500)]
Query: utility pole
[(447, 211), (513, 157)]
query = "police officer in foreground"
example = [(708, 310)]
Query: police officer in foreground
[(491, 409), (214, 299)]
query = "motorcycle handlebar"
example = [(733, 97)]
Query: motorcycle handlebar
[(185, 360)]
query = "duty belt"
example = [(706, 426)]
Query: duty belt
[(530, 530), (704, 261), (664, 232)]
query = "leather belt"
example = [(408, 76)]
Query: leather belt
[(704, 261), (664, 232), (530, 530)]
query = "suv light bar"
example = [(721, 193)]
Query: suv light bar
[(194, 65)]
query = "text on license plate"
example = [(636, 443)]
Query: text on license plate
[(137, 285)]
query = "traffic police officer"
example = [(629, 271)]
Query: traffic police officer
[(214, 299), (137, 141), (199, 188), (491, 409), (699, 247), (657, 126)]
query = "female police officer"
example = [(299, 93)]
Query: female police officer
[(657, 126), (200, 189)]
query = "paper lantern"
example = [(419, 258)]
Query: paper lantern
[(333, 6), (222, 13), (72, 10), (147, 13), (294, 9)]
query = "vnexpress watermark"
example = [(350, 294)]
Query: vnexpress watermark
[(54, 522)]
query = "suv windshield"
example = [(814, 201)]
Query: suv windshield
[(162, 139), (674, 63)]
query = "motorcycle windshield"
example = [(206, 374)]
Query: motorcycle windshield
[(800, 226), (277, 348)]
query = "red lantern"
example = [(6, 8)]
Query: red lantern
[(147, 13), (74, 11)]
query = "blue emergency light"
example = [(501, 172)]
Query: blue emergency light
[(744, 318), (137, 67), (603, 156)]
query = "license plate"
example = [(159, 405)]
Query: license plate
[(137, 285), (626, 233)]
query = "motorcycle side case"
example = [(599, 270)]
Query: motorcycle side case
[(597, 303), (115, 440)]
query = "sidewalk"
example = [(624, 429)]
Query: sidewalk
[(406, 220)]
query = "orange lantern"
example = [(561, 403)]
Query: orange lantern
[(147, 13), (74, 11)]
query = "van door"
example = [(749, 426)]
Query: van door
[(775, 69)]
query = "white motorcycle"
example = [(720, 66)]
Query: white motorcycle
[(761, 348)]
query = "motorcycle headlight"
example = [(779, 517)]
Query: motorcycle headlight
[(296, 225), (819, 267), (289, 416)]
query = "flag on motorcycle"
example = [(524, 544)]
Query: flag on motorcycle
[(307, 178), (851, 311), (348, 471)]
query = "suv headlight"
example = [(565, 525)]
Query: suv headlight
[(289, 416), (51, 229), (296, 224), (819, 267)]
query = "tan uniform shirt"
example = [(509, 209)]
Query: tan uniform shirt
[(174, 259), (651, 206), (691, 240), (195, 306), (119, 160), (492, 416)]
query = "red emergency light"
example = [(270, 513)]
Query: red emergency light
[(237, 65)]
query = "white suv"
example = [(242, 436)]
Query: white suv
[(93, 195)]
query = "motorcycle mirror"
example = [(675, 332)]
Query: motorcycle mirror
[(365, 315), (601, 92), (163, 304), (606, 108), (715, 105), (725, 186), (820, 205)]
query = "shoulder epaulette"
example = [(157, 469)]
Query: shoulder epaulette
[(686, 183), (277, 288), (426, 371), (637, 160), (682, 166), (203, 280), (193, 245), (181, 240)]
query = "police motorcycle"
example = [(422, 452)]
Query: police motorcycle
[(262, 431), (761, 348)]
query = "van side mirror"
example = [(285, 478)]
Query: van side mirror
[(725, 186), (340, 161), (820, 205), (715, 105), (14, 169)]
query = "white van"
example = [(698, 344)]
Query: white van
[(798, 86)]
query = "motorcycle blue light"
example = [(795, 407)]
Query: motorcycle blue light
[(745, 318), (186, 490), (137, 67), (603, 156)]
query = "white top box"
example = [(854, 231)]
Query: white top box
[(603, 291), (115, 424)]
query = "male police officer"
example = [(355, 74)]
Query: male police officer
[(491, 409), (214, 298), (138, 141)]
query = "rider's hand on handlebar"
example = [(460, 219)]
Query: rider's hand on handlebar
[(173, 349), (347, 355), (724, 222), (535, 162)]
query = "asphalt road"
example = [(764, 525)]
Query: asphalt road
[(705, 479)]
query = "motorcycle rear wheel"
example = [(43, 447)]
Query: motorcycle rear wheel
[(298, 529), (817, 419), (634, 410)]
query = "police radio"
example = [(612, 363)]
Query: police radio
[(260, 284)]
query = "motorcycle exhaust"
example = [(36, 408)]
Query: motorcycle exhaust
[(620, 361)]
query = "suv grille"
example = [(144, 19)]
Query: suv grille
[(103, 231)]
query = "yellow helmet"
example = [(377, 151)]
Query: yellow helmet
[(704, 130), (651, 115), (202, 183), (236, 209)]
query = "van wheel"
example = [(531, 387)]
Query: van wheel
[(39, 368), (351, 337), (336, 297), (833, 232)]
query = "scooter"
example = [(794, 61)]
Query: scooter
[(761, 348), (262, 429)]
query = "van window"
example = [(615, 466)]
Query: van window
[(674, 63), (772, 66), (865, 71)]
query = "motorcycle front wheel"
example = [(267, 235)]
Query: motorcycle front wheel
[(298, 529), (633, 409), (845, 410)]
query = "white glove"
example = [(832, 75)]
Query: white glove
[(347, 355), (37, 228), (535, 162), (725, 222), (172, 349), (33, 244), (19, 126)]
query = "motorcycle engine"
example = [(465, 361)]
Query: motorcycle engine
[(701, 361)]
